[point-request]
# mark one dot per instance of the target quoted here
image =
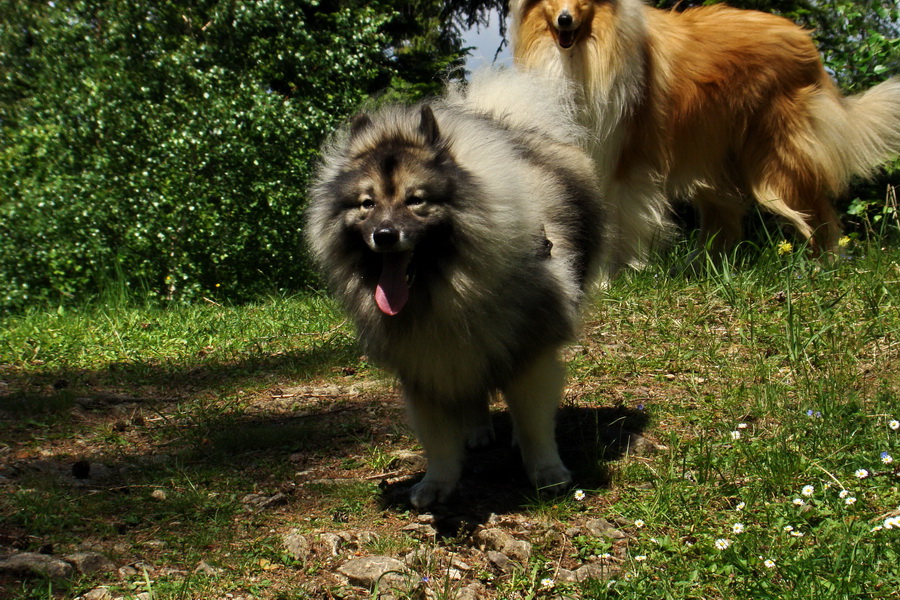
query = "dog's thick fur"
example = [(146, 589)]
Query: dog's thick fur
[(485, 203), (719, 105)]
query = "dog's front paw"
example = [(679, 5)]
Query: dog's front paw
[(425, 493), (553, 479)]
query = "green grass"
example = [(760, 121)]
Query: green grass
[(758, 377)]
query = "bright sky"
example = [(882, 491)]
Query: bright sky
[(486, 42)]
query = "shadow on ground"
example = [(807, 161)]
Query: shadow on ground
[(494, 481)]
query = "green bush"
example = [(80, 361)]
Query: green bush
[(168, 144)]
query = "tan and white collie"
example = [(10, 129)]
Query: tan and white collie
[(715, 104)]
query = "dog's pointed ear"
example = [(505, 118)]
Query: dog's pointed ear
[(358, 124), (429, 127)]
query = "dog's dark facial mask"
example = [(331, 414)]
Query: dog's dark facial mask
[(402, 201)]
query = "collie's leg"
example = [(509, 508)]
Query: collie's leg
[(721, 220), (640, 219), (795, 174), (808, 209), (533, 400)]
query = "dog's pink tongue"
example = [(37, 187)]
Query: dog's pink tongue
[(391, 293)]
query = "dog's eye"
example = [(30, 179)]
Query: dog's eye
[(367, 204), (415, 199)]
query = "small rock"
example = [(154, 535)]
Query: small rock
[(407, 459), (100, 472), (603, 528), (420, 530), (596, 571), (492, 539), (30, 563), (260, 502), (90, 563), (638, 445), (473, 591), (566, 576), (457, 563), (418, 558), (371, 570), (127, 572), (499, 540), (100, 593), (519, 550), (499, 560), (365, 538), (296, 544), (204, 568), (329, 544)]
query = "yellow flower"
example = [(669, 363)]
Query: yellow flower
[(844, 241), (785, 247)]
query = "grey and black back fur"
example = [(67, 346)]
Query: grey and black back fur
[(462, 235)]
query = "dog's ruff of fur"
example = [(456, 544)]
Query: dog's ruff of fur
[(497, 212), (718, 105)]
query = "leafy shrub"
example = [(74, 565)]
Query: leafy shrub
[(168, 144)]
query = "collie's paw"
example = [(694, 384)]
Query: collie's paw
[(425, 493), (554, 479)]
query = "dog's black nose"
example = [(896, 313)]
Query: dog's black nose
[(385, 238), (564, 19)]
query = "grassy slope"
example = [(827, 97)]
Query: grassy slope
[(759, 380)]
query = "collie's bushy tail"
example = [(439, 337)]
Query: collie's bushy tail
[(856, 134), (818, 144)]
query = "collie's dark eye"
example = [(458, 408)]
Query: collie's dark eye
[(367, 204), (416, 199)]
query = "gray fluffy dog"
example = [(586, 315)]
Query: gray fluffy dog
[(462, 235)]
